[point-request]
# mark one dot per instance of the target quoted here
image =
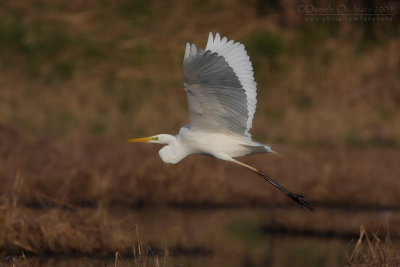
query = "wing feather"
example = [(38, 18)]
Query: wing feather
[(220, 86)]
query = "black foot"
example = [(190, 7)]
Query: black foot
[(301, 200)]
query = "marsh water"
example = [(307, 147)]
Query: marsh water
[(230, 236)]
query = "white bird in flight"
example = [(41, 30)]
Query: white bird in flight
[(221, 93)]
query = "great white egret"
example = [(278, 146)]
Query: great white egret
[(221, 93)]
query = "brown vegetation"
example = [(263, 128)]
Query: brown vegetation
[(76, 171), (370, 250), (94, 70), (79, 78)]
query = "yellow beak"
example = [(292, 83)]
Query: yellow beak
[(144, 139)]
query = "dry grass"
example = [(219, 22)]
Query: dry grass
[(108, 236), (79, 78), (69, 230), (143, 256), (57, 231), (370, 250)]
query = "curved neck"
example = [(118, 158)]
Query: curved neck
[(167, 139), (174, 151)]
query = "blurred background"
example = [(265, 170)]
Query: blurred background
[(78, 78)]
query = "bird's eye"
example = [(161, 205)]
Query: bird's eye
[(155, 138)]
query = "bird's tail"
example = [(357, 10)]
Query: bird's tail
[(274, 152), (269, 150)]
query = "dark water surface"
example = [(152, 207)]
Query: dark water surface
[(287, 236)]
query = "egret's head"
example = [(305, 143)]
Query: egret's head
[(171, 153)]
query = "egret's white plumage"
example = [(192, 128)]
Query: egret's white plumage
[(236, 57), (221, 92), (225, 64)]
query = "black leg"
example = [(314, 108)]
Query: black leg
[(300, 199)]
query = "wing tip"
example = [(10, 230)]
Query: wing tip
[(193, 50), (187, 51), (217, 38), (210, 41)]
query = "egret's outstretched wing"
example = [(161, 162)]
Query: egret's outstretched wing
[(220, 86)]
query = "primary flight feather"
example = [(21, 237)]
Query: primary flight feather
[(221, 92)]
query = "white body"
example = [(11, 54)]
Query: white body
[(218, 145)]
